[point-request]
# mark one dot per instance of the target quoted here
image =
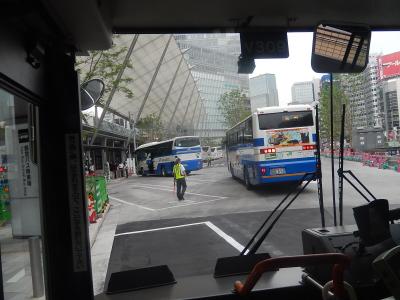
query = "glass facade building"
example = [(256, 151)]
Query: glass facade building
[(303, 92), (213, 59), (363, 92), (263, 91)]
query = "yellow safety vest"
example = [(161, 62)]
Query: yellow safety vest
[(177, 172)]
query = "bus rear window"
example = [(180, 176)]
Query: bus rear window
[(187, 142), (286, 120)]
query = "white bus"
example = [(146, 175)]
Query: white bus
[(216, 152), (274, 144), (158, 158)]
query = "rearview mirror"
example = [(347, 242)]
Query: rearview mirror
[(91, 92), (340, 48)]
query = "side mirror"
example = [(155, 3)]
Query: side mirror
[(91, 92), (340, 48)]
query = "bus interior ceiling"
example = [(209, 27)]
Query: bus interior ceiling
[(66, 28)]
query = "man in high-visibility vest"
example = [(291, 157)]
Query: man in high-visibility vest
[(179, 178)]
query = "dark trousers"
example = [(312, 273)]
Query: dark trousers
[(180, 188)]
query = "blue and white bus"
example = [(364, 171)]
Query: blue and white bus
[(158, 158), (274, 144)]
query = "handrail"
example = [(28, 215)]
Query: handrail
[(339, 260)]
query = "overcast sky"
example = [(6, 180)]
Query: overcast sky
[(298, 66)]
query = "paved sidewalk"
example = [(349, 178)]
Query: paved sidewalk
[(102, 239)]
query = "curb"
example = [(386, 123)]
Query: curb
[(98, 225)]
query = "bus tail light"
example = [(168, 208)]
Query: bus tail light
[(267, 150), (309, 147), (263, 171)]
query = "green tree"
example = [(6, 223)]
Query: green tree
[(339, 98), (233, 107), (151, 129), (105, 65)]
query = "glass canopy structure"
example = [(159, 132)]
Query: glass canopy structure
[(162, 84)]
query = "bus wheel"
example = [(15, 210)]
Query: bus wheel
[(163, 172), (247, 180)]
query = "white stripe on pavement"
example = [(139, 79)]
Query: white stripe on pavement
[(230, 240), (158, 229), (130, 203), (163, 188), (189, 204)]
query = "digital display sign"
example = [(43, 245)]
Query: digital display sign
[(389, 65)]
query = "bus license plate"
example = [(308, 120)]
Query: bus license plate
[(278, 171)]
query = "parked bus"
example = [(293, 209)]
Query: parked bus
[(216, 152), (158, 158), (274, 144)]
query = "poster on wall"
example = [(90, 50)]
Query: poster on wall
[(288, 137), (23, 183)]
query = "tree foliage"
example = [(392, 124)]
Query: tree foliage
[(233, 108), (339, 98), (151, 129), (106, 65)]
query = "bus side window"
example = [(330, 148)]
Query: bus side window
[(248, 132)]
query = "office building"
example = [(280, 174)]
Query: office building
[(390, 101), (303, 92), (263, 91), (213, 59), (362, 89)]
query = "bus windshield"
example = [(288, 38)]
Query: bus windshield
[(285, 120), (243, 141), (187, 142)]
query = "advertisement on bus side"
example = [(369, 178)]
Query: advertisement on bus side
[(288, 137)]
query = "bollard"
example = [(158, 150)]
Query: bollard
[(36, 266)]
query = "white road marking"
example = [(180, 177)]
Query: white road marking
[(130, 203), (195, 203), (158, 229), (230, 240), (17, 276), (201, 180), (158, 187)]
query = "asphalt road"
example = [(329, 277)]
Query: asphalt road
[(214, 196), (148, 226), (212, 192)]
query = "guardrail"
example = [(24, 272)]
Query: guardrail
[(374, 159)]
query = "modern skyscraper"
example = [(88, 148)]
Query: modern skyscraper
[(213, 58), (303, 92), (317, 88), (390, 100), (263, 91), (362, 89)]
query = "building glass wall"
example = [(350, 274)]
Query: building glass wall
[(213, 58), (363, 92), (263, 91), (303, 92)]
